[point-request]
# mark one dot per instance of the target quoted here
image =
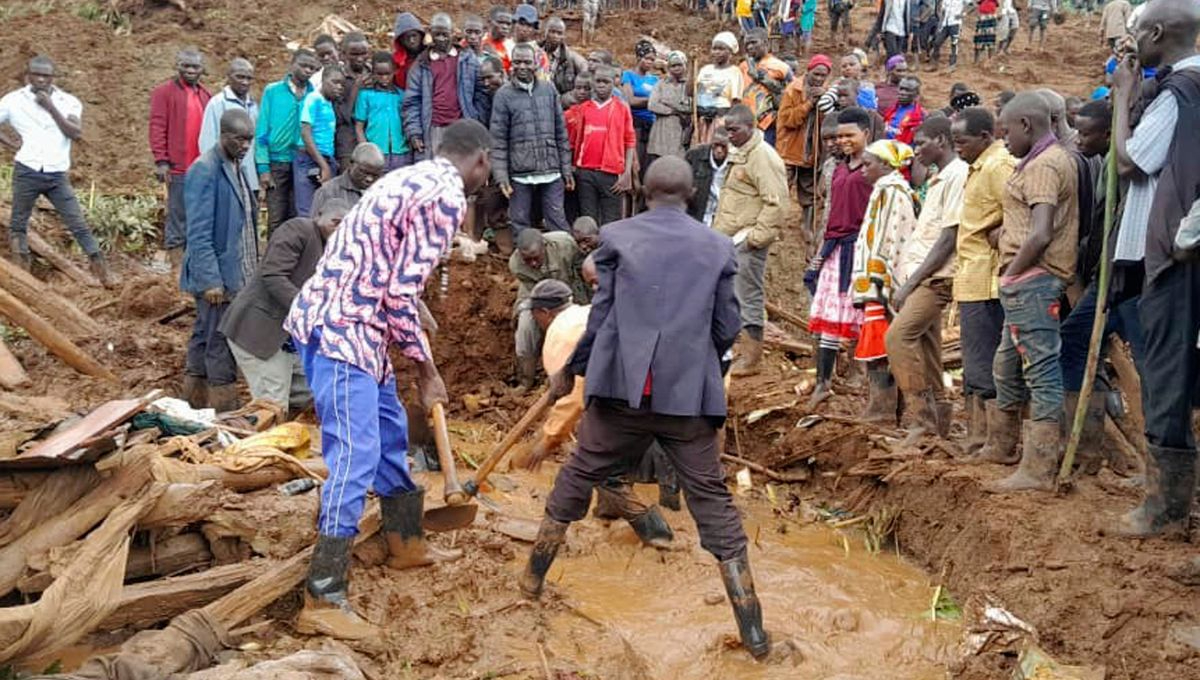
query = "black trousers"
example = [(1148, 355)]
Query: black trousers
[(208, 354), (281, 201), (611, 433), (1170, 311), (981, 324), (596, 197)]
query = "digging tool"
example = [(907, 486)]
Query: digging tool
[(452, 491), (458, 515)]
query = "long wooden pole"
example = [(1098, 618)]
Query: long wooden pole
[(54, 340), (1101, 317)]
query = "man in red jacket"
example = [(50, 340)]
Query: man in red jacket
[(906, 115), (176, 115)]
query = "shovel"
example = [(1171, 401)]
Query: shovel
[(456, 514)]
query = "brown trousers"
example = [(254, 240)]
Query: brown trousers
[(914, 339), (613, 436)]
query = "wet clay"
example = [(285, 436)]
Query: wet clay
[(838, 610)]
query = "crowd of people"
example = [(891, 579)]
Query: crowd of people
[(643, 204)]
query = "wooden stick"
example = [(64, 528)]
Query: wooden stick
[(41, 298), (146, 604), (533, 413), (775, 310), (53, 339), (49, 253), (763, 470), (1098, 321)]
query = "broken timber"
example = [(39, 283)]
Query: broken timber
[(52, 338)]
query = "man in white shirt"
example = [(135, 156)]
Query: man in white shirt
[(47, 120), (925, 269), (236, 95)]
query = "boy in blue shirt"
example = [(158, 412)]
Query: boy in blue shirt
[(377, 113), (314, 164)]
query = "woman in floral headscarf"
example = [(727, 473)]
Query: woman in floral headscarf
[(890, 218)]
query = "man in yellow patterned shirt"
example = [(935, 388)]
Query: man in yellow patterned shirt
[(981, 318)]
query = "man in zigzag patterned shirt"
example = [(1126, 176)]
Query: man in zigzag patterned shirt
[(365, 296)]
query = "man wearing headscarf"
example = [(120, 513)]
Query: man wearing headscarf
[(799, 126)]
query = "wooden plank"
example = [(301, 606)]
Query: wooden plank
[(12, 373), (146, 604), (39, 245), (38, 408), (177, 554), (64, 446), (53, 339), (42, 299), (78, 519)]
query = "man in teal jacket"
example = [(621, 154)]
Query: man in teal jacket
[(278, 134)]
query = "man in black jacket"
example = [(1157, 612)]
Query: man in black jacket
[(531, 157), (708, 174), (253, 325)]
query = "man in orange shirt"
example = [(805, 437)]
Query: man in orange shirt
[(765, 76), (497, 41)]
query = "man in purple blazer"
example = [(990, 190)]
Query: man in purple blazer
[(664, 315)]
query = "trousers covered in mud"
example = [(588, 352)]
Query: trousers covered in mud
[(613, 435), (364, 438), (1027, 363)]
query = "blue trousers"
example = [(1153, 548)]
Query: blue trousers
[(1077, 333), (1027, 366), (364, 437), (303, 186)]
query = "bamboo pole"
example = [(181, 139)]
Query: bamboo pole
[(1098, 321)]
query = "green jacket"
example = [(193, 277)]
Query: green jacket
[(754, 197), (277, 133), (560, 263)]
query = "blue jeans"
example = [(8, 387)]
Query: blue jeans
[(1027, 364), (304, 186), (1077, 333), (364, 437), (395, 161), (520, 206), (28, 184)]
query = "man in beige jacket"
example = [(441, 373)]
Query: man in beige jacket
[(752, 208)]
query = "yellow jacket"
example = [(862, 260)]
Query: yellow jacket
[(754, 198)]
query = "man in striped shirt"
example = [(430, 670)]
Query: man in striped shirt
[(365, 296)]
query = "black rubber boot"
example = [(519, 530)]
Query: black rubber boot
[(1003, 435), (405, 537), (668, 497), (327, 609), (883, 398), (826, 363), (551, 535), (739, 586), (653, 529), (1170, 488)]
